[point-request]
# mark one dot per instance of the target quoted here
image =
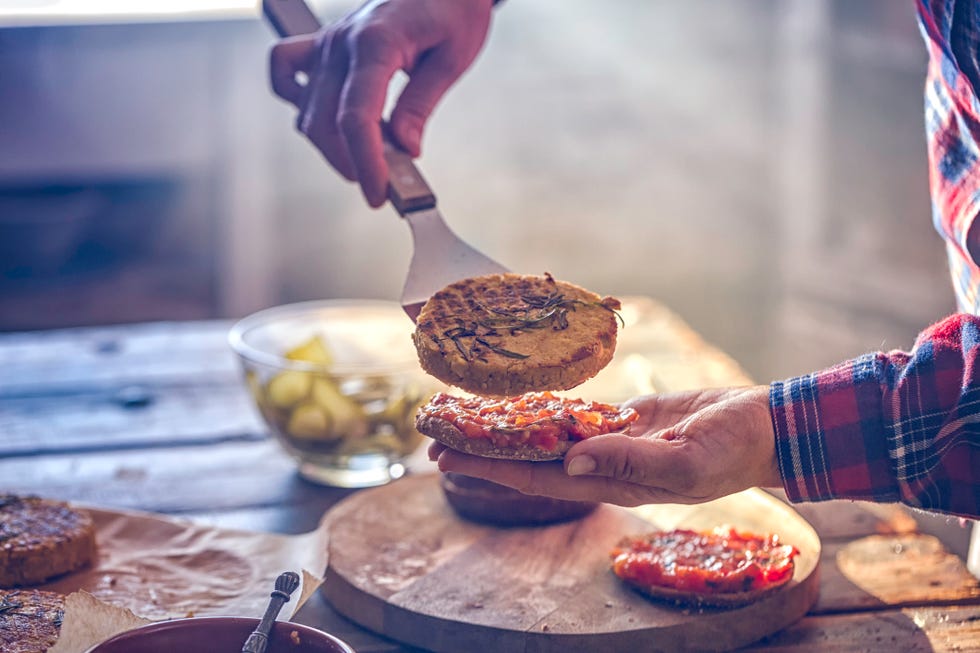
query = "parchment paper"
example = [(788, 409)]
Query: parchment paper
[(152, 567)]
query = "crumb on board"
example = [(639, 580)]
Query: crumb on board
[(294, 637)]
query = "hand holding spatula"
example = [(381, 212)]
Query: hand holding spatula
[(440, 257)]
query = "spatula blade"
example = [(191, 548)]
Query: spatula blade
[(440, 258)]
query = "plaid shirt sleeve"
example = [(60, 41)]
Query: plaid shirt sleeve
[(951, 30), (888, 427)]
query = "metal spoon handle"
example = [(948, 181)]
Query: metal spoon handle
[(286, 583)]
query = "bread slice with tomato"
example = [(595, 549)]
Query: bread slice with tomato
[(722, 567), (536, 426)]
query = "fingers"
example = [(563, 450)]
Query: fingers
[(550, 479), (318, 115), (435, 448), (530, 478), (429, 81), (648, 461), (287, 58), (374, 61), (350, 69)]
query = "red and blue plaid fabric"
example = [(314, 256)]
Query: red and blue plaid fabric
[(905, 426), (951, 29), (886, 427)]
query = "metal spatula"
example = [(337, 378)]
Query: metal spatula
[(440, 257)]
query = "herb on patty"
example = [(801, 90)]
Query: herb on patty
[(538, 312)]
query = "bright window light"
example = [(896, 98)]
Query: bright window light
[(42, 12)]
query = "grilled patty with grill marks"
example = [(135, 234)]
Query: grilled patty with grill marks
[(41, 539), (507, 334), (30, 620)]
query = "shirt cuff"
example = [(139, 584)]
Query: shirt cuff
[(830, 435)]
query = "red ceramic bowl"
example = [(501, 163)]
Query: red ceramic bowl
[(218, 635)]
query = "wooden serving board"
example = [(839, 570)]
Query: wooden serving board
[(403, 564)]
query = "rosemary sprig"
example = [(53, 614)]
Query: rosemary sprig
[(500, 350), (539, 311), (458, 334), (7, 606)]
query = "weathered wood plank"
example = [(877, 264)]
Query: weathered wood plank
[(846, 520), (881, 571), (213, 481), (103, 418), (933, 630), (119, 387), (318, 612), (68, 360), (912, 630), (171, 480)]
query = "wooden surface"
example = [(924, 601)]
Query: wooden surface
[(191, 445), (402, 563)]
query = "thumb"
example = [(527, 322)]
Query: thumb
[(429, 81), (645, 461)]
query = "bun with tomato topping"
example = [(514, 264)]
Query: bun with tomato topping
[(537, 426), (722, 567)]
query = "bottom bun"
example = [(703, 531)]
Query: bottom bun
[(719, 600), (485, 502), (446, 433)]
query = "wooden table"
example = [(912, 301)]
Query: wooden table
[(155, 417)]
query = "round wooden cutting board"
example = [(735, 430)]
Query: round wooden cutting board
[(403, 564)]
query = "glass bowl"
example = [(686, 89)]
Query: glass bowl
[(338, 383), (208, 634)]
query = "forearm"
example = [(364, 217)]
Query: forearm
[(890, 426)]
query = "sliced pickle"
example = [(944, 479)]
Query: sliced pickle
[(313, 350), (287, 389), (347, 417), (394, 412), (309, 422)]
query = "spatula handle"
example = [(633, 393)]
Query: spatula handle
[(407, 189), (290, 17)]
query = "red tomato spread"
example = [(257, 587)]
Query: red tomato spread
[(714, 562), (536, 419)]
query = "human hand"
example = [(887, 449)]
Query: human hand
[(686, 447), (349, 65)]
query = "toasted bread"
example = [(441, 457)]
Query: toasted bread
[(485, 502), (30, 620), (41, 539), (535, 426), (507, 334), (443, 431), (715, 600), (721, 567)]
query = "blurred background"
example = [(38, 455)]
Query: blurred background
[(756, 165)]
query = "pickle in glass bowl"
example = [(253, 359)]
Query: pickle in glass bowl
[(338, 384)]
